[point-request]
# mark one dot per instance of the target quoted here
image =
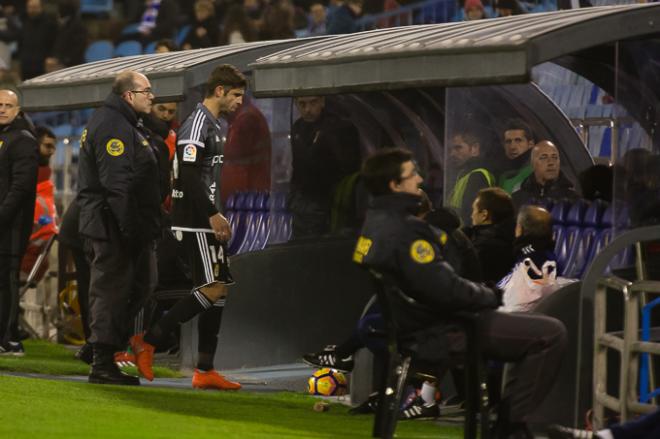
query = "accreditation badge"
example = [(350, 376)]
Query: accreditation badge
[(422, 252)]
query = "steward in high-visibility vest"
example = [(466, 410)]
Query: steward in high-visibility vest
[(471, 179)]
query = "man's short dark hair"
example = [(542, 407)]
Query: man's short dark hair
[(124, 81), (382, 167), (42, 131), (226, 76), (496, 202), (535, 221), (518, 124), (168, 43), (468, 137)]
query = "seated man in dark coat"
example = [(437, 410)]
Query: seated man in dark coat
[(547, 180), (396, 242)]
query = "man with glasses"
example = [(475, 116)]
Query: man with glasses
[(119, 221)]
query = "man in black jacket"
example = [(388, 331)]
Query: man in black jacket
[(396, 242), (492, 232), (325, 149), (19, 160), (547, 180), (119, 198)]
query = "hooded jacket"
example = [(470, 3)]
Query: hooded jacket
[(19, 161), (531, 190)]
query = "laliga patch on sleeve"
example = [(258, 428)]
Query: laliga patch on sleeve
[(114, 147), (189, 153), (361, 249), (422, 252)]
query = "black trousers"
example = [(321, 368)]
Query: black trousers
[(9, 294), (533, 344), (121, 279)]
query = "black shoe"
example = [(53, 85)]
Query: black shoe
[(561, 432), (329, 358), (420, 410), (110, 374), (12, 348), (367, 407), (85, 353), (105, 371)]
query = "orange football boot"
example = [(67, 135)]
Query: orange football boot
[(212, 380), (144, 356)]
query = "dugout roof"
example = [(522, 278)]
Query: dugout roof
[(171, 74), (493, 51)]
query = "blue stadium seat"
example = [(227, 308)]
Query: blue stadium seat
[(238, 228), (99, 50), (128, 48), (150, 48), (580, 253), (249, 200), (239, 201), (229, 204), (569, 233), (261, 201)]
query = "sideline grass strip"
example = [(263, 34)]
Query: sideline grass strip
[(36, 408), (52, 359)]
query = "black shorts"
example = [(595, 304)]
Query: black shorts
[(207, 258)]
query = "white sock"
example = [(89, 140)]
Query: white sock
[(428, 392), (605, 434)]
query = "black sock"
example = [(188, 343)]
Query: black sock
[(208, 328), (182, 311)]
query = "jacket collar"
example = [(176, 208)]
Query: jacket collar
[(121, 106), (530, 183), (402, 203), (22, 122)]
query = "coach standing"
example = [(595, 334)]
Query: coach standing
[(119, 218), (19, 160)]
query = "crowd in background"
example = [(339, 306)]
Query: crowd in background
[(40, 36)]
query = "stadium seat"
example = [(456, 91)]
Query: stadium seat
[(128, 48), (261, 201), (237, 223), (99, 50), (239, 201), (150, 48), (230, 203), (580, 253), (569, 233)]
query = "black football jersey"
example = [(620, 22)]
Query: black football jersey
[(196, 168)]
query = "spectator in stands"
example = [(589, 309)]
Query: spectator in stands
[(204, 30), (547, 181), (492, 232), (254, 9), (317, 20), (165, 45), (344, 20), (474, 10), (506, 8), (10, 31), (45, 213), (71, 40), (396, 243), (472, 175), (325, 150), (19, 161), (158, 19), (236, 27), (518, 142), (37, 38), (278, 21), (536, 263)]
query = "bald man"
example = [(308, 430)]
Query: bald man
[(19, 160), (546, 180), (534, 253), (119, 198)]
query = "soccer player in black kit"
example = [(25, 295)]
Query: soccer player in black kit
[(197, 221)]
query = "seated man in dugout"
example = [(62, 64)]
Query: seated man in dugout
[(396, 242), (546, 181)]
